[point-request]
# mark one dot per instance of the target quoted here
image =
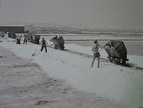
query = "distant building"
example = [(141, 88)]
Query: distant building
[(16, 29)]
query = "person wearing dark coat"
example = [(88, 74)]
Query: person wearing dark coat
[(43, 43), (25, 39), (18, 40)]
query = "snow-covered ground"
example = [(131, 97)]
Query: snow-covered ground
[(121, 84)]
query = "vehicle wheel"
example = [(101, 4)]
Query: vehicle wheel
[(56, 47), (116, 60), (124, 62), (111, 59)]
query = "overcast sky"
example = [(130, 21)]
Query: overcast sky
[(97, 13)]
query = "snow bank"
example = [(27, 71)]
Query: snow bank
[(116, 82)]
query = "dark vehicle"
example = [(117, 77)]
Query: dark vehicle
[(12, 35), (34, 38), (58, 42), (2, 34), (117, 51)]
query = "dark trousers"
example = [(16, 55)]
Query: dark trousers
[(18, 41), (44, 47), (25, 42)]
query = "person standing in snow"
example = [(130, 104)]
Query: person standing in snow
[(96, 54), (25, 39), (43, 43), (18, 40)]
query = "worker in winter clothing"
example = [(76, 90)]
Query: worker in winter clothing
[(43, 42), (25, 39), (96, 54), (18, 40)]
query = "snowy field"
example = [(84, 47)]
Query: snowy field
[(91, 36), (121, 84)]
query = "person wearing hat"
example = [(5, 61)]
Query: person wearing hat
[(96, 54)]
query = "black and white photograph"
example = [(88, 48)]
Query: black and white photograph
[(71, 53)]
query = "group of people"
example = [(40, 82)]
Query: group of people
[(43, 42), (95, 48), (18, 39)]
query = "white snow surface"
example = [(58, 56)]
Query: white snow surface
[(122, 84)]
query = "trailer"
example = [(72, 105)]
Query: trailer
[(58, 42), (116, 51), (34, 38), (2, 34)]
